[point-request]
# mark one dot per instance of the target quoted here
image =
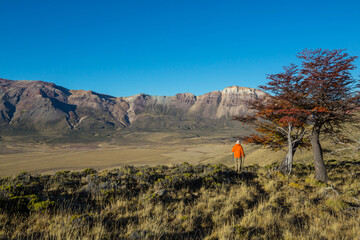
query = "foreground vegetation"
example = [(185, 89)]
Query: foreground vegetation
[(183, 202)]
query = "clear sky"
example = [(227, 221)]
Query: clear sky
[(165, 47)]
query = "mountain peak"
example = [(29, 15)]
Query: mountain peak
[(237, 89)]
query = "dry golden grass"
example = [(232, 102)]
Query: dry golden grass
[(261, 204)]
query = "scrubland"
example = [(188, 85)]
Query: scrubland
[(203, 201)]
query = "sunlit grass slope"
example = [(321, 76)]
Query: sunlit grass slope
[(183, 202)]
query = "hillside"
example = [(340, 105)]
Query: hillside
[(183, 202)]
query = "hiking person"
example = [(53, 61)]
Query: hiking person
[(239, 156)]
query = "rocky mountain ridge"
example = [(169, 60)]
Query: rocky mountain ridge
[(40, 106)]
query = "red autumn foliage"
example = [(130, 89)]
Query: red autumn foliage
[(320, 95), (272, 118)]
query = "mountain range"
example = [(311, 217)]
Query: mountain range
[(38, 106)]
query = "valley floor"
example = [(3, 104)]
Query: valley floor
[(50, 153), (46, 159)]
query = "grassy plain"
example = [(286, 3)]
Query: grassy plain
[(46, 156)]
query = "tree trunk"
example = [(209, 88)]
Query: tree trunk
[(287, 162), (286, 165), (320, 170)]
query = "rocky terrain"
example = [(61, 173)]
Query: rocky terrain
[(37, 106)]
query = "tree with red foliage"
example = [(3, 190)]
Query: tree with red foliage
[(331, 95), (278, 122), (324, 90)]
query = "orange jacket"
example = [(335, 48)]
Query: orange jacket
[(238, 151)]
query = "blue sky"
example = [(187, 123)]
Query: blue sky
[(123, 48)]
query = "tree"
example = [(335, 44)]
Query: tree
[(278, 123), (330, 93), (324, 89)]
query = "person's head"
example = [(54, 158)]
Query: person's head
[(238, 142)]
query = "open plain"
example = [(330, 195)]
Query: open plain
[(151, 148)]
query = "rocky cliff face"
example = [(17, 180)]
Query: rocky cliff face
[(40, 106)]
